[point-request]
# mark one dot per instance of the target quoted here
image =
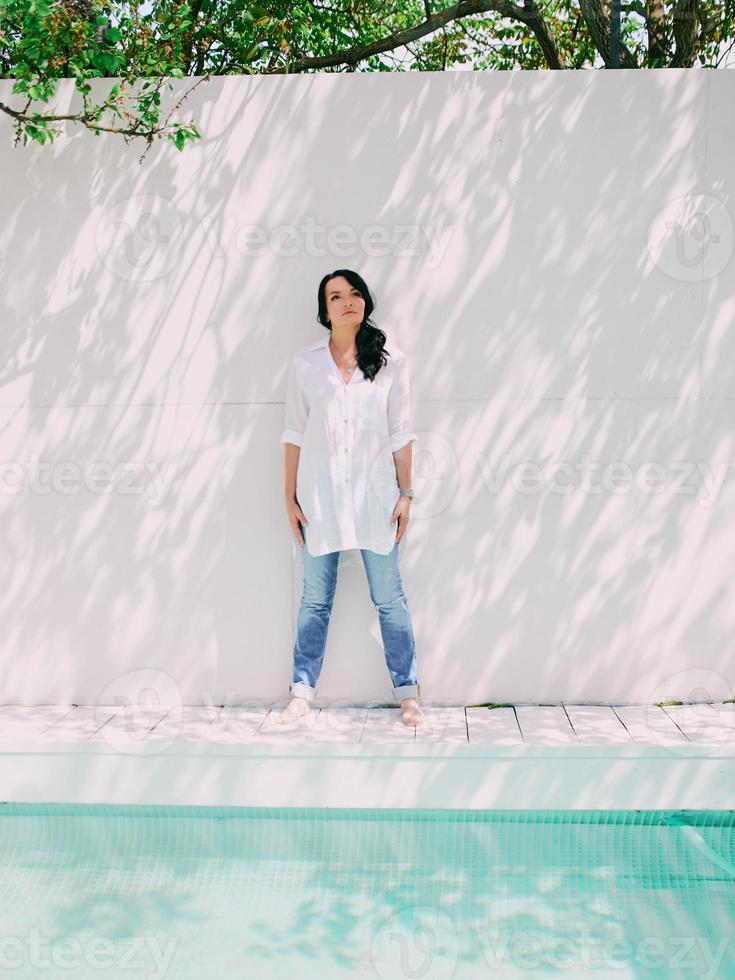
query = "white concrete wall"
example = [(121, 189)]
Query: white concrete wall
[(553, 251)]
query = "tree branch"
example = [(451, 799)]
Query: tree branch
[(658, 53), (596, 15), (686, 23), (528, 14)]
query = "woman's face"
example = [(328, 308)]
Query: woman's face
[(345, 305)]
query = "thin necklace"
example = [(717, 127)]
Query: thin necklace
[(349, 368)]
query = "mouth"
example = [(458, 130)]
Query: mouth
[(350, 313)]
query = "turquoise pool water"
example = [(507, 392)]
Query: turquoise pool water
[(207, 892)]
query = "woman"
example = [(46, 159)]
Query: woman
[(348, 482)]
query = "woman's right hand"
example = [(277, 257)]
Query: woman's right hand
[(295, 518)]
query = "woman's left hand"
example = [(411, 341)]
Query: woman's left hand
[(400, 514)]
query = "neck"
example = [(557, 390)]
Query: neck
[(343, 338)]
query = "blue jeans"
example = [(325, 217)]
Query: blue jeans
[(386, 592)]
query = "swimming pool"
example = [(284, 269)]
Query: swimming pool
[(92, 891)]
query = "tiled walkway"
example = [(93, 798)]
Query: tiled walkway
[(533, 757), (254, 723)]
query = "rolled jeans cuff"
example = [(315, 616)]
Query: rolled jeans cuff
[(301, 690), (407, 691)]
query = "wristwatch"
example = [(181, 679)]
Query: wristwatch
[(407, 493)]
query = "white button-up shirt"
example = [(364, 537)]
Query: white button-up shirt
[(346, 483)]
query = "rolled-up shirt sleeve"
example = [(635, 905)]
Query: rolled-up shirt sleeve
[(297, 408), (399, 408)]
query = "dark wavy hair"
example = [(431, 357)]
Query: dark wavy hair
[(370, 340)]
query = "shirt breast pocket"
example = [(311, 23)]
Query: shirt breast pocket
[(372, 412)]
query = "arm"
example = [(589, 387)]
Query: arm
[(296, 415), (399, 423), (402, 509), (401, 437), (402, 459), (291, 465)]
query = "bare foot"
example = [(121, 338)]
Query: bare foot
[(294, 711), (411, 712)]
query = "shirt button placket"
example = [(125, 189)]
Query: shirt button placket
[(349, 502), (345, 431), (346, 450)]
